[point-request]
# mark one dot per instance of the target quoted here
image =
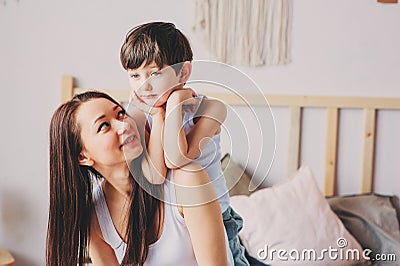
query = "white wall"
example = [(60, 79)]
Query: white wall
[(339, 47)]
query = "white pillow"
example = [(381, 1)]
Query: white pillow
[(291, 223)]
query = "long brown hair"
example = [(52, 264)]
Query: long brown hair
[(71, 202)]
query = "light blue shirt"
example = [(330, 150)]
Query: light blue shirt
[(210, 160)]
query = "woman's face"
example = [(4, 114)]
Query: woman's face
[(109, 138)]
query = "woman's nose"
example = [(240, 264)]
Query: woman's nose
[(122, 127)]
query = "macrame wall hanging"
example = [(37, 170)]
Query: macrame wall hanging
[(246, 32)]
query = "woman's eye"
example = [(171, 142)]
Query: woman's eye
[(121, 115), (155, 74), (102, 127)]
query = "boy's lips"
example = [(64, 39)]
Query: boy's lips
[(149, 96)]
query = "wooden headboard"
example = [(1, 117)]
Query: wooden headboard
[(369, 105)]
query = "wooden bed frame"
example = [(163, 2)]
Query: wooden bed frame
[(333, 104)]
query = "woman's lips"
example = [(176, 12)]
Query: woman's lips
[(129, 140)]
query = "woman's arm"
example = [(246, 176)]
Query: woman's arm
[(202, 215), (100, 252), (211, 114)]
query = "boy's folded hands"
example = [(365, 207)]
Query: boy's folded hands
[(185, 98), (141, 105)]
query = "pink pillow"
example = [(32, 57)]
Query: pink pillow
[(291, 223)]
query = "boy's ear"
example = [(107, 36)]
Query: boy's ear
[(185, 72), (83, 159)]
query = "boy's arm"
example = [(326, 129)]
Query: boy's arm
[(153, 163), (211, 114)]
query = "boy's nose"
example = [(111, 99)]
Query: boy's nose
[(146, 86)]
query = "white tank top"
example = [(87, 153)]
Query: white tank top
[(174, 246)]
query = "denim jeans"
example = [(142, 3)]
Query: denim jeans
[(233, 224)]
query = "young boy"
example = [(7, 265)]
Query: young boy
[(157, 57)]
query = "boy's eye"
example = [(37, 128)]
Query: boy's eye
[(133, 75), (103, 126)]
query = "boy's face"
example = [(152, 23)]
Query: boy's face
[(152, 84)]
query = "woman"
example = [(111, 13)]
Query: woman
[(122, 221)]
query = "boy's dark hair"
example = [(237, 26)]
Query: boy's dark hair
[(160, 42)]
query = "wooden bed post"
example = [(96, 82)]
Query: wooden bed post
[(331, 150), (294, 139), (67, 88), (369, 146)]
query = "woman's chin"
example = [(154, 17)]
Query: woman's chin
[(132, 154)]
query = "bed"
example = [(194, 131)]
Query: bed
[(296, 221)]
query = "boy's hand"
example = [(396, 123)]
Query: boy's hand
[(182, 94), (186, 97), (151, 110)]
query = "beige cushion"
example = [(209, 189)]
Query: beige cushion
[(293, 216), (237, 180)]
